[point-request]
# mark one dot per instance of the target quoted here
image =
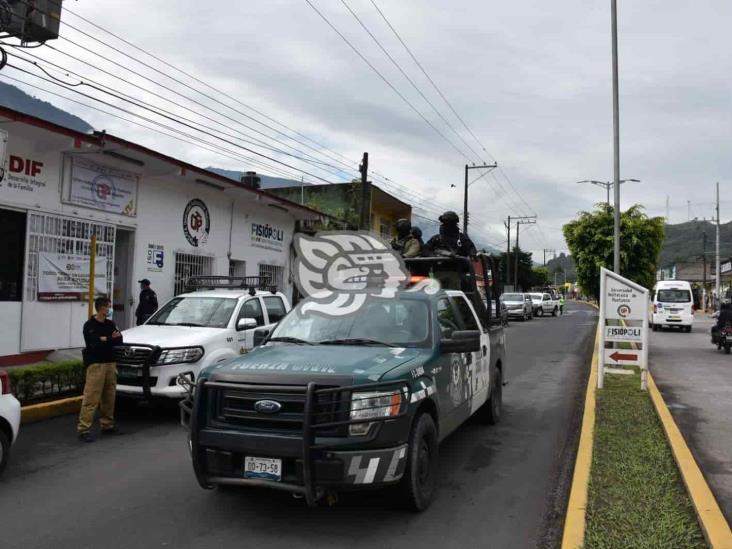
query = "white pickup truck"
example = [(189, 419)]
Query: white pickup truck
[(194, 330), (544, 303)]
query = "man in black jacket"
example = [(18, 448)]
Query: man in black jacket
[(148, 302), (450, 240), (100, 335)]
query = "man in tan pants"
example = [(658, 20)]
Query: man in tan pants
[(101, 336)]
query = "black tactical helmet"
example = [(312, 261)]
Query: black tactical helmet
[(403, 226), (449, 218), (416, 232)]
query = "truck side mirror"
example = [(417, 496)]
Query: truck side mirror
[(462, 341), (246, 324), (260, 335)]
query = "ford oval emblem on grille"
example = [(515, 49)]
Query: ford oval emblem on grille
[(267, 406)]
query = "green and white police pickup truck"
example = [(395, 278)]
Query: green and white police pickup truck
[(359, 401)]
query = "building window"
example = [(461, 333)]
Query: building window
[(385, 229), (274, 274), (61, 235), (12, 244), (188, 265), (237, 268)]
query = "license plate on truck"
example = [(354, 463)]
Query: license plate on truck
[(263, 468)]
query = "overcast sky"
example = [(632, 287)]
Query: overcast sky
[(531, 78)]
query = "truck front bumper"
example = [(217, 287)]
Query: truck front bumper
[(311, 461)]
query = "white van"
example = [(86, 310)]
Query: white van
[(194, 330), (673, 305)]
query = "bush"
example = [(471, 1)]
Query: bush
[(45, 381)]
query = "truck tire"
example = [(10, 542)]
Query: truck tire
[(4, 450), (540, 311), (727, 349), (554, 312), (490, 412), (419, 483)]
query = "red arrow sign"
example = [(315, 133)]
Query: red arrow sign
[(617, 357)]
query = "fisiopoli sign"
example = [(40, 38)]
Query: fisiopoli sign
[(103, 188), (269, 237), (623, 325), (63, 277)]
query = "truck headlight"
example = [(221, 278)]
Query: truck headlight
[(181, 355), (371, 405)]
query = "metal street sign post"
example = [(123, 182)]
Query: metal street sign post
[(623, 325)]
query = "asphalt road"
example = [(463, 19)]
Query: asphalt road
[(502, 486), (694, 379)]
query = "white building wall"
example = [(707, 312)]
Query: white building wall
[(159, 223)]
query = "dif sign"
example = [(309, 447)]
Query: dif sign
[(623, 325)]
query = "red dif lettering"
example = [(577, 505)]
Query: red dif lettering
[(25, 165)]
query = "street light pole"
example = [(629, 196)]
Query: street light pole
[(616, 138), (607, 185)]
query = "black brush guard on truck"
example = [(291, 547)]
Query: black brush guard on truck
[(137, 358), (326, 413)]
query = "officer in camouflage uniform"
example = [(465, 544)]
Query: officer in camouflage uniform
[(404, 242)]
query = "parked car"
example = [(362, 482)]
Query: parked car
[(544, 303), (518, 305), (9, 419), (673, 305), (194, 330), (340, 403)]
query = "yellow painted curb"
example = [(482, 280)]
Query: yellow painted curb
[(47, 410), (574, 522), (716, 530)]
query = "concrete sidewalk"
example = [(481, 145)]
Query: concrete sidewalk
[(696, 382)]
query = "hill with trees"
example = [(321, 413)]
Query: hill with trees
[(16, 99), (685, 241)]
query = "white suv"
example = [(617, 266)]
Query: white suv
[(9, 419), (192, 331)]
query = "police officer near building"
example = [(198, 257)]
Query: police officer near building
[(148, 303), (405, 243), (450, 240)]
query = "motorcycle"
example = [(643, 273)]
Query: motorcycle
[(722, 338)]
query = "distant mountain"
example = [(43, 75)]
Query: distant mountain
[(560, 264), (684, 242), (17, 99)]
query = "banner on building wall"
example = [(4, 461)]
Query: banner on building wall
[(63, 277), (103, 188)]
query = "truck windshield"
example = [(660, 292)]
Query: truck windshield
[(512, 297), (674, 296), (207, 312), (394, 322)]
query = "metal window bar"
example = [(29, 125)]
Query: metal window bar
[(188, 265), (274, 273), (48, 233)]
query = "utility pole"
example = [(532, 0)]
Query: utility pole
[(688, 210), (704, 260), (508, 252), (525, 220), (545, 251), (465, 198), (717, 270), (667, 209), (364, 220)]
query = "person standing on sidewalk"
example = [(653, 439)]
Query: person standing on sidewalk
[(100, 335), (148, 303), (561, 304)]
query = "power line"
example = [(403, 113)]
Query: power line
[(401, 70), (386, 81)]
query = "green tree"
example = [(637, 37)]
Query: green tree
[(539, 277), (525, 269), (590, 239)]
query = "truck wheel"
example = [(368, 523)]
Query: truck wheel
[(4, 450), (419, 483), (727, 349), (654, 327), (490, 412), (554, 312), (688, 329), (540, 311)]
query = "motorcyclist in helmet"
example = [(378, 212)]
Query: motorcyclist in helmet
[(724, 317), (450, 240), (404, 242)]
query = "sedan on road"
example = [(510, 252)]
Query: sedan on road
[(518, 305)]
